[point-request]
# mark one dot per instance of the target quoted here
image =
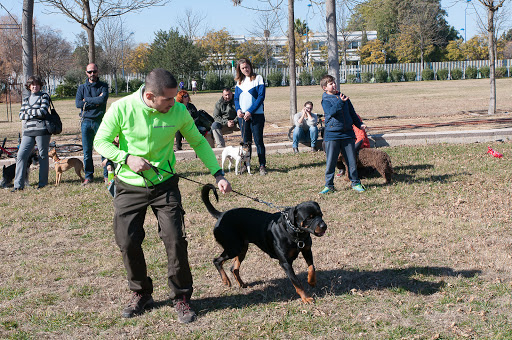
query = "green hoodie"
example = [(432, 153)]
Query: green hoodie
[(149, 134)]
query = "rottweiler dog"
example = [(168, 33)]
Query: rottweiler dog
[(282, 235)]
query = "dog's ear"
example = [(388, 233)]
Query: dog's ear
[(241, 143)]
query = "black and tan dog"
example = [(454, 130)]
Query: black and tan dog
[(281, 235), (8, 172)]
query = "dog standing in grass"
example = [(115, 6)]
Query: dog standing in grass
[(62, 165), (8, 172), (240, 155), (282, 235)]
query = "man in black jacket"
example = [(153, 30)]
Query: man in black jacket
[(91, 98), (224, 115)]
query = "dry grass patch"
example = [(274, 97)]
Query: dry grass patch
[(426, 257)]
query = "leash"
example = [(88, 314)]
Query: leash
[(281, 209)]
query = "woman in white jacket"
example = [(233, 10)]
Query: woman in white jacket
[(249, 97)]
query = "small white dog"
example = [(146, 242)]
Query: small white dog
[(239, 155)]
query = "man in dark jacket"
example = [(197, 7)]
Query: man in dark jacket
[(224, 115), (91, 98)]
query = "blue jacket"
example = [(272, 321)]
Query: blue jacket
[(339, 118), (88, 99)]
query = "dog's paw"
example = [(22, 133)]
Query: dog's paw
[(308, 300)]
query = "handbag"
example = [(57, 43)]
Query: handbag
[(52, 121)]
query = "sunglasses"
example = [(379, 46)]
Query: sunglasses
[(93, 71), (185, 96)]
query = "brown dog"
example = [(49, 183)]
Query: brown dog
[(370, 158), (62, 165)]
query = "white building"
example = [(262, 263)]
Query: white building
[(318, 40)]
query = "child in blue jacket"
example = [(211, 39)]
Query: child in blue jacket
[(339, 135)]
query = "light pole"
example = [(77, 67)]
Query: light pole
[(307, 36), (465, 15)]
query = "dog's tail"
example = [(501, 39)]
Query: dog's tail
[(205, 196)]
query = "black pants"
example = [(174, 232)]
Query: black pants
[(130, 205)]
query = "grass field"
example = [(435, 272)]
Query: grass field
[(377, 104), (427, 257)]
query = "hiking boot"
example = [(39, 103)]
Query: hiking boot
[(313, 149), (358, 187), (295, 150), (326, 190), (137, 305), (263, 170), (185, 313)]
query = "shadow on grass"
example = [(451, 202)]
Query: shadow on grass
[(416, 280)]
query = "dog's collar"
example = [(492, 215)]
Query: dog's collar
[(293, 230)]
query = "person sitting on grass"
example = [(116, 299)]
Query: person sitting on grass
[(339, 135), (305, 130)]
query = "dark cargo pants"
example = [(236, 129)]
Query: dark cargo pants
[(130, 206)]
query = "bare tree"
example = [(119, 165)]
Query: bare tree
[(110, 39), (89, 12), (491, 7), (332, 40), (53, 53), (342, 18), (10, 47), (190, 22), (266, 26), (27, 44)]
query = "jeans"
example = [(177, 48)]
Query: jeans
[(89, 129), (332, 150), (26, 147), (253, 128), (218, 130), (130, 207), (301, 136)]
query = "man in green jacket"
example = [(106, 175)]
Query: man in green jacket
[(146, 123)]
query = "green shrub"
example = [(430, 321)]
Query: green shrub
[(471, 72), (351, 78), (275, 78), (410, 76), (227, 80), (485, 71), (381, 75), (305, 78), (396, 75), (74, 77), (427, 74), (366, 77), (212, 81), (318, 74), (134, 84), (501, 72), (442, 74), (66, 90), (456, 74), (121, 85)]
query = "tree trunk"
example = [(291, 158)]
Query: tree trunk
[(92, 44), (89, 28), (332, 40), (492, 61), (27, 57), (291, 57)]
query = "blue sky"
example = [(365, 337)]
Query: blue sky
[(220, 13)]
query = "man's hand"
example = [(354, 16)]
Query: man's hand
[(363, 127), (223, 184), (137, 164), (240, 114), (231, 123), (247, 116)]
